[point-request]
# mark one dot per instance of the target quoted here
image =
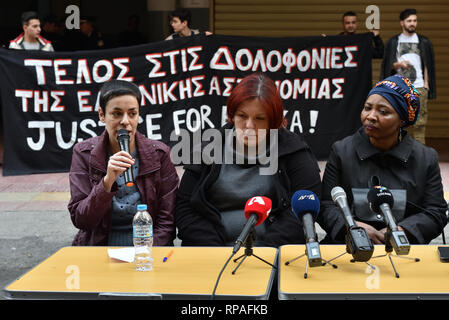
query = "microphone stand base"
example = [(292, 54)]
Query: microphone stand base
[(389, 255), (352, 260), (248, 253), (307, 263)]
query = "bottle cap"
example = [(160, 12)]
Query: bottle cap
[(141, 207)]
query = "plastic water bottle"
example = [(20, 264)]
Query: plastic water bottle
[(143, 239)]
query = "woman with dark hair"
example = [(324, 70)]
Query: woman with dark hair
[(211, 197), (101, 205), (382, 153)]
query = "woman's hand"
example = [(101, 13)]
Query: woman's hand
[(405, 64), (376, 236), (399, 228), (117, 164)]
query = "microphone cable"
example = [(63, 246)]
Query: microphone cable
[(420, 208), (428, 211), (219, 276)]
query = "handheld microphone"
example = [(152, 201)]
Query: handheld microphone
[(256, 211), (358, 244), (123, 141), (306, 206), (380, 199)]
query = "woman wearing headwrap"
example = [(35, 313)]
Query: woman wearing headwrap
[(382, 153)]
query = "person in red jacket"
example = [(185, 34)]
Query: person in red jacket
[(101, 205), (31, 39)]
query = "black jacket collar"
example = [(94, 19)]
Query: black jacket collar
[(365, 150)]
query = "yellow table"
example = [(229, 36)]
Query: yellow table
[(189, 273), (428, 278)]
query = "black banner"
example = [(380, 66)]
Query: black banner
[(50, 100)]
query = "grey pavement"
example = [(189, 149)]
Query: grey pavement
[(35, 222), (29, 237)]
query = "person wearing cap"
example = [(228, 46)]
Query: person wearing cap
[(30, 38), (102, 205), (382, 153)]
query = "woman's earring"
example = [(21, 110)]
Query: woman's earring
[(401, 131)]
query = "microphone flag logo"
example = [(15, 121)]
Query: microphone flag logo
[(259, 200), (307, 196)]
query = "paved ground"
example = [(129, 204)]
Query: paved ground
[(35, 223)]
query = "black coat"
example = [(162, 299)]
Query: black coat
[(427, 60), (409, 165), (198, 220)]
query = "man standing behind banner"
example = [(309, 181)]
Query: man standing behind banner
[(349, 24), (411, 55), (101, 205), (31, 39)]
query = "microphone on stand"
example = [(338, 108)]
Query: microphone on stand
[(306, 206), (358, 244), (381, 200), (256, 211)]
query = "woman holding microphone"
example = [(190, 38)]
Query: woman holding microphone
[(102, 206)]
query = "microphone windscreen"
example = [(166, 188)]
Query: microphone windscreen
[(305, 201), (122, 134), (378, 195), (337, 192), (260, 206)]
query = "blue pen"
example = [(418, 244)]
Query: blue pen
[(167, 256)]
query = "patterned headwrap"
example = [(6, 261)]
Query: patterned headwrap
[(402, 95)]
